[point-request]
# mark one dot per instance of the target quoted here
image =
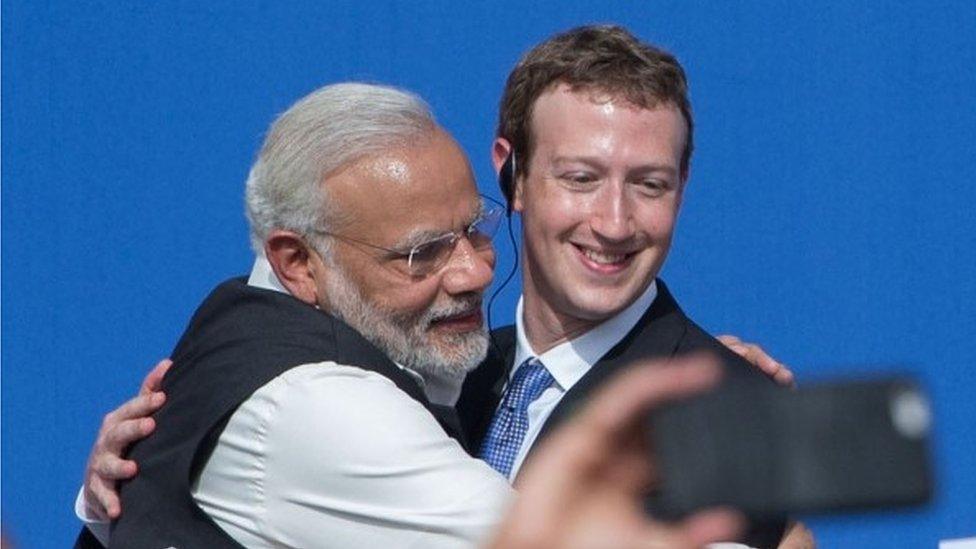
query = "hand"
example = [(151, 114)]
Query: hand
[(758, 357), (120, 428), (585, 485)]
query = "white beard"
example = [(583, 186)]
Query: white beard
[(405, 339)]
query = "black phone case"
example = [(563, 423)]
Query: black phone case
[(766, 451)]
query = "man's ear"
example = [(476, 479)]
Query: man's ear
[(500, 150), (293, 263)]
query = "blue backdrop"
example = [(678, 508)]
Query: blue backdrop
[(829, 215)]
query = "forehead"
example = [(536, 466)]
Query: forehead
[(425, 185), (566, 121)]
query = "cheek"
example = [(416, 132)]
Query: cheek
[(658, 219), (410, 299), (544, 202), (387, 290), (559, 218)]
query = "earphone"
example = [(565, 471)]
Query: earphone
[(506, 180)]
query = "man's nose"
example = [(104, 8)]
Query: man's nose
[(611, 213), (468, 269)]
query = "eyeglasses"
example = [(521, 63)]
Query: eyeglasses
[(430, 255)]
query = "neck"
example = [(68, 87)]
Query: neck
[(545, 328)]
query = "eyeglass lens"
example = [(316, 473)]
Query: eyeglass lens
[(430, 255)]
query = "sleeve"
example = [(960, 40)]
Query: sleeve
[(98, 527), (353, 461)]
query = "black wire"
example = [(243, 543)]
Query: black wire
[(511, 238)]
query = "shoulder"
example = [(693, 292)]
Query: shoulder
[(316, 402), (696, 339), (338, 395)]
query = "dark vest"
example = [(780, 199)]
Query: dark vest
[(662, 332), (239, 339)]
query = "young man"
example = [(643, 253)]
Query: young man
[(593, 146)]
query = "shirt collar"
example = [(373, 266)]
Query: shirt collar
[(263, 276), (438, 390), (570, 360)]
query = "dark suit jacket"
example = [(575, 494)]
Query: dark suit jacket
[(662, 332)]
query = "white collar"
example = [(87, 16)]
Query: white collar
[(570, 360), (439, 390), (263, 276)]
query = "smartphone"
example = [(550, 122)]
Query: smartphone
[(831, 447)]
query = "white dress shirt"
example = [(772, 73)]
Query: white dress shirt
[(570, 360), (331, 455)]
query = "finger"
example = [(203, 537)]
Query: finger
[(713, 525), (728, 340), (767, 364), (772, 367), (110, 468), (124, 434), (696, 531), (760, 358), (630, 472), (138, 406), (94, 507), (785, 377), (106, 502), (154, 379), (754, 354)]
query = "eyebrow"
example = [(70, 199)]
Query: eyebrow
[(419, 236), (596, 163), (415, 238)]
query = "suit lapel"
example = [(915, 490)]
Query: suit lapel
[(657, 335)]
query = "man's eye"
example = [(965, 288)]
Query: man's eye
[(653, 187), (398, 256), (427, 252), (579, 178)]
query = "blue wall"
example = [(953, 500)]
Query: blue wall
[(830, 214)]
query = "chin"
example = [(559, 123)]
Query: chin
[(606, 296), (596, 310), (452, 354)]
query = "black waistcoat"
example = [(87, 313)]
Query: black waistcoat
[(239, 339)]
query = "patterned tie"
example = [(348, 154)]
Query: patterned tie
[(511, 420)]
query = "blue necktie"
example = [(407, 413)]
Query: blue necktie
[(511, 420)]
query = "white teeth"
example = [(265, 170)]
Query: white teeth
[(602, 258)]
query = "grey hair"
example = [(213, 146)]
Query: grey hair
[(324, 131)]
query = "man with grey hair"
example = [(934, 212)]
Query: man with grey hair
[(309, 404)]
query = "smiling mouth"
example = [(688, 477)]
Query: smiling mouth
[(603, 262), (460, 322)]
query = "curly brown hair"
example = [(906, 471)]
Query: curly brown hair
[(604, 59)]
